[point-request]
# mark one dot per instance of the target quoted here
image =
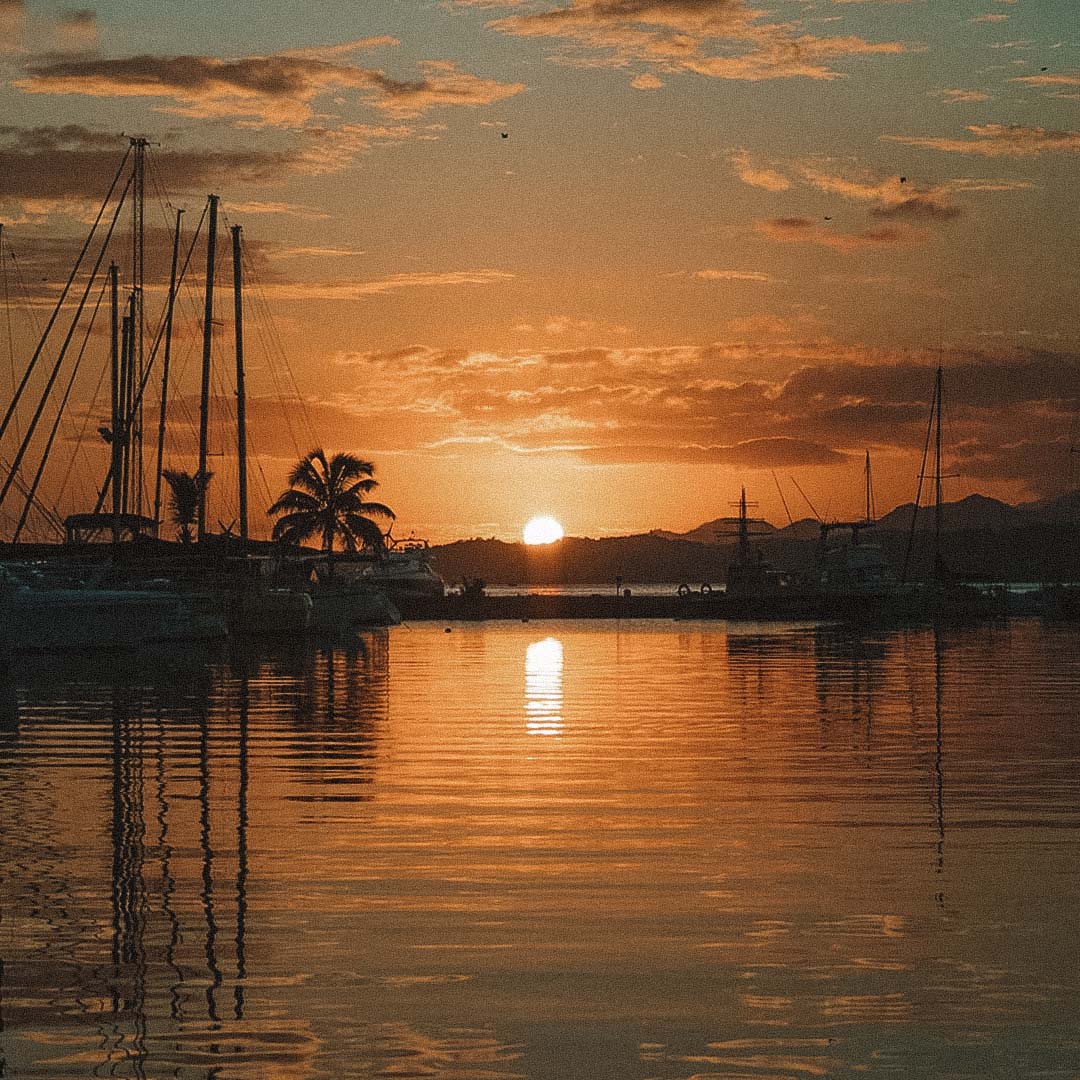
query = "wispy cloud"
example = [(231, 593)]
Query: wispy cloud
[(269, 90), (73, 163), (279, 208), (892, 196), (1050, 79), (999, 140), (355, 290), (314, 253), (800, 230), (961, 97), (731, 275), (722, 39), (756, 175)]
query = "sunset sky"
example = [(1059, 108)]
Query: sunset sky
[(606, 260)]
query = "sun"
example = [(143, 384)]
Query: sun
[(542, 530)]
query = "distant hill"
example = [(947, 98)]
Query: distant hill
[(717, 531), (972, 512), (986, 540)]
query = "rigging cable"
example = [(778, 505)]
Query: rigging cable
[(153, 353), (807, 498), (7, 312), (780, 492), (67, 286), (31, 498), (63, 349), (90, 409), (918, 492)]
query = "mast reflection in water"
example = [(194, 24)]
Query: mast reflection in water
[(730, 858)]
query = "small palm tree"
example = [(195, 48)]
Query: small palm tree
[(185, 491), (326, 497)]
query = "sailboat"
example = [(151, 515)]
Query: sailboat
[(119, 537), (944, 596)]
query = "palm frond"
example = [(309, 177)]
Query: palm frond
[(364, 530), (294, 499)]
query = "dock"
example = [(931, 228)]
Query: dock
[(525, 606)]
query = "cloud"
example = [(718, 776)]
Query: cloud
[(755, 176), (76, 163), (800, 230), (646, 81), (355, 290), (746, 405), (961, 97), (750, 454), (442, 84), (731, 275), (264, 90), (314, 252), (979, 183), (918, 208), (999, 140), (279, 208), (1062, 79), (895, 198), (722, 39), (992, 18)]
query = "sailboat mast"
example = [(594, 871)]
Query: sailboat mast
[(138, 275), (165, 369), (127, 421), (869, 516), (116, 445), (204, 398), (937, 475), (241, 397)]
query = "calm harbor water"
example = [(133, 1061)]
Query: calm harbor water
[(548, 850)]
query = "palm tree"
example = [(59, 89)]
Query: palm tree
[(185, 491), (327, 497)]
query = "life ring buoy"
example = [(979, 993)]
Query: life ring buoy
[(706, 589), (683, 589)]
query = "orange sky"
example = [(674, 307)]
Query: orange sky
[(717, 242)]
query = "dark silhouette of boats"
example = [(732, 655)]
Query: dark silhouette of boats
[(852, 578), (254, 587)]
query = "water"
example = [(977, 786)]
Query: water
[(549, 850)]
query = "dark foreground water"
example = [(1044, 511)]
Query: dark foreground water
[(549, 851)]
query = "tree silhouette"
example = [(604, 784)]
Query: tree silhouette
[(326, 498), (185, 490)]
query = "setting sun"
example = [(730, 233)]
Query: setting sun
[(542, 530)]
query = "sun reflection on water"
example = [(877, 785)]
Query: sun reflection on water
[(543, 687)]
